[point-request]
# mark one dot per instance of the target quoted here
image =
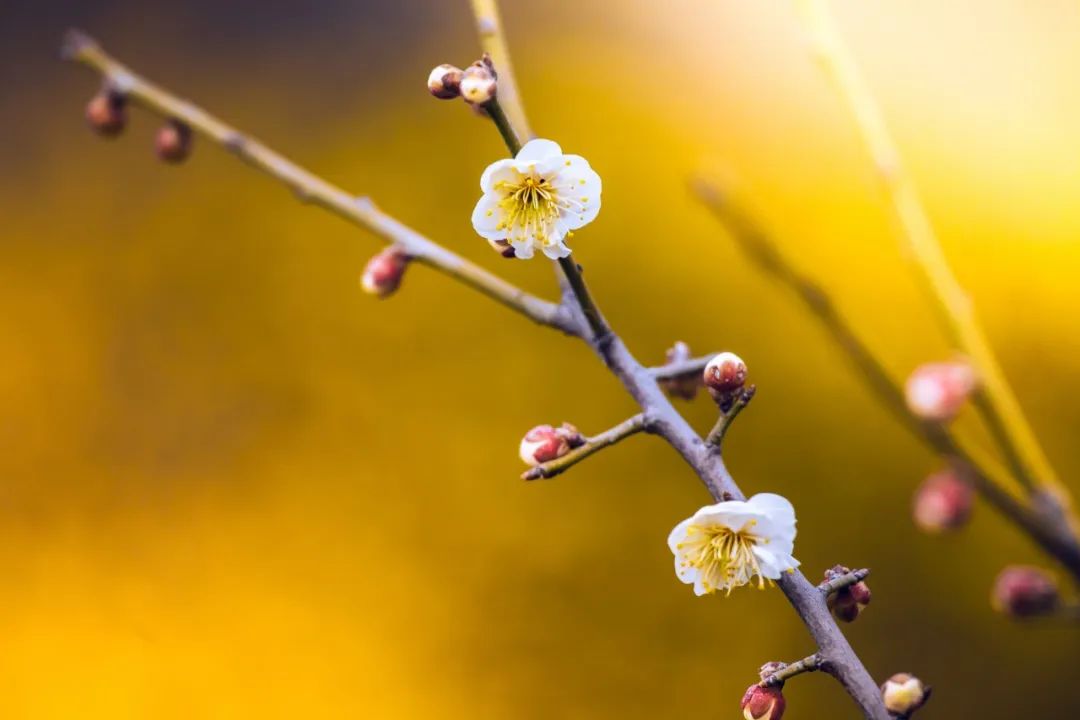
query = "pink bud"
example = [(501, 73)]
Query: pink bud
[(685, 386), (545, 443), (763, 703), (937, 391), (1023, 591), (943, 502), (106, 113), (847, 603), (384, 271), (724, 376), (173, 142), (903, 694)]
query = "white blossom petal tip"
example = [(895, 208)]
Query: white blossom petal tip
[(536, 200), (728, 544)]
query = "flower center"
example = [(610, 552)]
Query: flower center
[(724, 557), (530, 205)]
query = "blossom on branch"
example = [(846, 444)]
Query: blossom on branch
[(727, 544), (537, 199)]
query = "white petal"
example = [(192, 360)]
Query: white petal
[(486, 217), (776, 507), (677, 535), (523, 249), (556, 251), (699, 587), (537, 150), (496, 171), (773, 564)]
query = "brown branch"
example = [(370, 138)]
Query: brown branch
[(839, 583), (715, 438), (311, 188), (592, 445), (810, 663), (682, 368), (988, 478)]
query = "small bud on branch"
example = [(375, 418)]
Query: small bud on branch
[(903, 694), (383, 274), (937, 391), (763, 702), (724, 377), (943, 502), (172, 144), (545, 443), (444, 82), (106, 113), (1022, 591)]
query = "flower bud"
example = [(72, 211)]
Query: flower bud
[(684, 386), (478, 82), (937, 391), (444, 82), (847, 603), (106, 113), (763, 703), (903, 694), (173, 142), (383, 273), (943, 502), (724, 376), (1022, 591), (503, 247), (545, 443)]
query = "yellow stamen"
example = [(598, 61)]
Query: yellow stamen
[(724, 557)]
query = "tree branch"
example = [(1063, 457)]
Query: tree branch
[(311, 188), (592, 445), (828, 587), (716, 436), (682, 368), (492, 40), (810, 663)]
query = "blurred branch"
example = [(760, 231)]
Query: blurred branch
[(592, 445), (995, 398), (492, 40), (988, 477), (311, 188)]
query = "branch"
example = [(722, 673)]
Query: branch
[(810, 663), (995, 398), (988, 478), (311, 188), (828, 587), (492, 40), (716, 436), (682, 368), (592, 445)]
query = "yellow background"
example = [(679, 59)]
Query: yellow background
[(232, 485)]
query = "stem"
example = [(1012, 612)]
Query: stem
[(492, 40), (593, 445), (502, 122), (682, 368), (311, 188), (592, 314), (1000, 407), (715, 438), (810, 663), (828, 587)]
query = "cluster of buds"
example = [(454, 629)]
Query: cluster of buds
[(106, 113), (725, 377), (476, 84), (943, 502), (903, 694), (763, 702), (1022, 591), (545, 443), (383, 273), (937, 391), (848, 602), (682, 386)]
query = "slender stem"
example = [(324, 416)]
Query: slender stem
[(1001, 407), (593, 445), (839, 583), (682, 368), (993, 482), (311, 188), (502, 122), (489, 27), (715, 438), (592, 314), (810, 663)]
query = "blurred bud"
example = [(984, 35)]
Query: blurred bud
[(545, 443), (503, 248), (383, 273), (847, 603), (684, 386), (937, 391), (106, 113), (444, 82), (724, 376), (478, 82), (763, 703), (173, 142), (1022, 591), (943, 502), (903, 694)]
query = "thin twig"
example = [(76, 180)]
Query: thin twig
[(839, 583), (811, 663), (592, 445), (682, 368), (715, 438), (506, 127), (311, 188), (493, 41), (996, 402)]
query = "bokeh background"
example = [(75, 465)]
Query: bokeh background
[(233, 486)]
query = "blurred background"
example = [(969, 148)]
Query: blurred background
[(232, 485)]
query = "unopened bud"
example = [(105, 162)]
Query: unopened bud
[(1022, 591), (106, 113), (763, 703), (173, 142), (937, 391), (444, 82), (503, 247), (848, 602), (684, 386), (724, 376), (383, 273), (545, 443), (943, 502), (903, 694), (479, 82)]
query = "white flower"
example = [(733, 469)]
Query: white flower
[(537, 199), (725, 545)]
